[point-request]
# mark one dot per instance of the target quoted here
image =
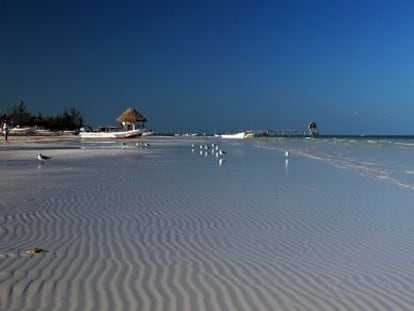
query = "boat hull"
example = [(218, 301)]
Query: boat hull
[(22, 131), (111, 135), (240, 135)]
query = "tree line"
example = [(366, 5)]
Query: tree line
[(70, 119)]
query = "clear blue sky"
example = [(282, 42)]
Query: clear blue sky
[(214, 65)]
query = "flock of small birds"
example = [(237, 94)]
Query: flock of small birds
[(211, 149), (215, 149)]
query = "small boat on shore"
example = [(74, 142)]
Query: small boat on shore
[(132, 126), (22, 130), (239, 135), (147, 133), (112, 134)]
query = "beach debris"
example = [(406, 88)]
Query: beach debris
[(42, 157), (35, 250)]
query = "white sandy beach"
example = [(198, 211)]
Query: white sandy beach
[(168, 228)]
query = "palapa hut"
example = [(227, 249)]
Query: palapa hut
[(131, 119)]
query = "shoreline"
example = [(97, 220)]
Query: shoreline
[(45, 138)]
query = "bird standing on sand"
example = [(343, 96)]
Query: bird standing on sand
[(42, 157), (142, 145)]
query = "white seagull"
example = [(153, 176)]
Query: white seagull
[(42, 157), (286, 153)]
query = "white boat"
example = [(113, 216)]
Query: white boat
[(21, 130), (132, 126), (112, 134), (147, 133), (249, 134), (239, 135)]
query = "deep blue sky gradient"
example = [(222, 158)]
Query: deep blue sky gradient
[(191, 66)]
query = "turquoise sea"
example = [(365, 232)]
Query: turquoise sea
[(387, 158)]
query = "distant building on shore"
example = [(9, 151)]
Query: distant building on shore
[(131, 119), (313, 129)]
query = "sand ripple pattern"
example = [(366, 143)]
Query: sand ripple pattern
[(150, 233)]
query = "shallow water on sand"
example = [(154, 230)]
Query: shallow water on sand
[(171, 228)]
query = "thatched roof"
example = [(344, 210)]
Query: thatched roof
[(131, 115)]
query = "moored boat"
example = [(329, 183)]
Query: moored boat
[(147, 133), (249, 134), (239, 135), (112, 134), (21, 130), (132, 123)]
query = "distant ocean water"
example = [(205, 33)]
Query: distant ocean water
[(387, 158)]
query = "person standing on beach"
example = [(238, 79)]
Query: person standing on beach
[(5, 128)]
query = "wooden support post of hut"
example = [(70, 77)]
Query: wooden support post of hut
[(131, 119)]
